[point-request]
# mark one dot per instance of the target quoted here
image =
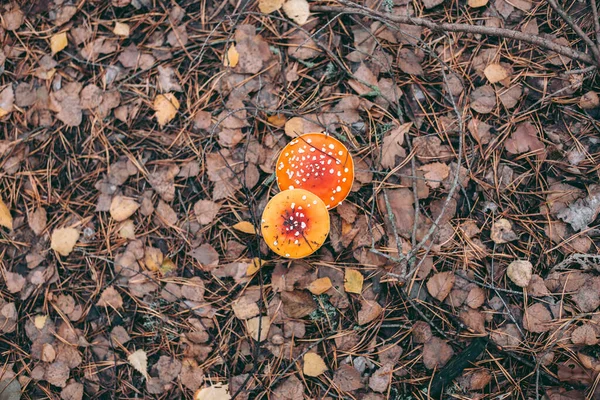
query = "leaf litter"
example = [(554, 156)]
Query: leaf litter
[(138, 155)]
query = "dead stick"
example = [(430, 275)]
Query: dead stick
[(466, 28), (567, 18), (596, 22)]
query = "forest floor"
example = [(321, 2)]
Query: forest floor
[(138, 141)]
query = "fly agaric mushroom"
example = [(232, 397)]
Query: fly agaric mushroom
[(295, 223), (318, 163)]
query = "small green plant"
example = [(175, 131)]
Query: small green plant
[(325, 313)]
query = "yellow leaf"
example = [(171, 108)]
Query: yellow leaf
[(122, 207), (353, 281), (153, 258), (313, 365), (252, 325), (165, 107), (254, 266), (215, 392), (245, 226), (63, 240), (139, 361), (121, 29), (269, 6), (39, 321), (495, 73), (167, 266), (477, 3), (58, 42), (277, 119), (320, 286), (232, 57), (6, 219)]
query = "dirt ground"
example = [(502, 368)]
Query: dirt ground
[(137, 152)]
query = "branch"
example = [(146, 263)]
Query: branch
[(353, 8)]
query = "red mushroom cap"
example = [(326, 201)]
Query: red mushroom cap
[(318, 163)]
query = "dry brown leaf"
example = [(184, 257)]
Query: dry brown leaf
[(298, 303), (435, 173), (252, 325), (313, 365), (63, 240), (537, 318), (589, 100), (14, 281), (246, 227), (297, 10), (483, 99), (58, 42), (139, 361), (440, 285), (206, 211), (167, 80), (110, 297), (347, 378), (163, 181), (297, 126), (520, 271), (7, 99), (127, 230), (6, 219), (495, 73), (408, 61), (320, 286), (123, 207), (165, 108), (13, 17), (502, 232), (524, 139), (436, 353), (369, 311), (392, 145), (353, 281)]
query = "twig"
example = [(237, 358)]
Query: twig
[(596, 22), (353, 9), (567, 18)]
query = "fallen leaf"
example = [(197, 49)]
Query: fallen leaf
[(584, 335), (6, 219), (520, 271), (254, 266), (12, 18), (252, 325), (139, 361), (495, 73), (483, 99), (232, 57), (166, 214), (582, 212), (392, 145), (162, 181), (435, 173), (167, 80), (290, 389), (477, 3), (510, 96), (10, 389), (347, 378), (123, 207), (313, 365), (219, 391), (7, 99), (297, 10), (298, 303), (320, 286), (269, 6), (353, 281), (63, 240), (165, 107), (408, 61), (537, 318), (524, 139), (246, 227), (369, 311), (65, 102), (440, 285), (57, 374), (127, 230), (206, 211), (121, 29), (589, 100), (297, 126), (110, 297), (502, 232), (381, 379), (58, 42), (587, 297), (436, 353)]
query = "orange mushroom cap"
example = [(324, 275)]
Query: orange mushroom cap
[(318, 163), (295, 223)]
